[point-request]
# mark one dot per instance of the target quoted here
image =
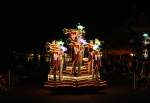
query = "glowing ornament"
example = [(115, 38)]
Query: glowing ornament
[(80, 27)]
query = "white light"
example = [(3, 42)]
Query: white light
[(131, 54), (145, 34), (95, 47), (80, 27)]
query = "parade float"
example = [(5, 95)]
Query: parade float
[(74, 62)]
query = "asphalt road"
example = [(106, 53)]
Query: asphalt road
[(114, 92)]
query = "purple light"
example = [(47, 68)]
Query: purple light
[(81, 40), (63, 48)]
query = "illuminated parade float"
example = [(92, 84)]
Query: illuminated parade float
[(74, 62)]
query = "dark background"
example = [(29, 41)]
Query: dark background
[(28, 25)]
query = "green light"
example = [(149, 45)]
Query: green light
[(60, 42), (80, 27)]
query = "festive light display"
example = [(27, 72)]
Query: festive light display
[(76, 51)]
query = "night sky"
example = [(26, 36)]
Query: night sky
[(30, 25)]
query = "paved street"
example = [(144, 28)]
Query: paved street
[(115, 92)]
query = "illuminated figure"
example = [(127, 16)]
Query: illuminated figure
[(96, 58), (61, 62), (55, 63), (77, 58), (71, 41), (96, 64), (76, 43), (54, 53), (57, 53), (53, 48), (90, 56), (90, 61), (62, 49)]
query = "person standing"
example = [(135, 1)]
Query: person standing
[(96, 64), (61, 63), (90, 61), (76, 59)]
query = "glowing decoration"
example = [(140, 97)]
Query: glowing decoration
[(95, 47), (71, 31), (63, 48), (132, 54), (77, 47), (145, 35), (97, 42), (80, 27), (60, 42), (82, 41)]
